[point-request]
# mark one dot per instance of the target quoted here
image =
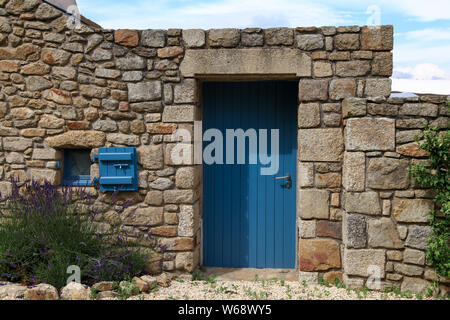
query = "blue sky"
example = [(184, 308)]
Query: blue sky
[(422, 28)]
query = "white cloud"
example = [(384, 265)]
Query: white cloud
[(429, 10), (228, 13), (421, 86), (429, 34), (423, 71)]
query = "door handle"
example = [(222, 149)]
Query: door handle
[(288, 182)]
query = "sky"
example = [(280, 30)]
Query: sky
[(421, 28)]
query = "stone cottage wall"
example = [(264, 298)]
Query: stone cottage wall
[(88, 88), (385, 223)]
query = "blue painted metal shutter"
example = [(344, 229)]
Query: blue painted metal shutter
[(118, 169), (249, 219)]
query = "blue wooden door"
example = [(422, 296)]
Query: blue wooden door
[(249, 219)]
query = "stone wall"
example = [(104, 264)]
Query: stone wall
[(88, 88), (385, 223)]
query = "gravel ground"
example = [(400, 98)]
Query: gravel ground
[(259, 290)]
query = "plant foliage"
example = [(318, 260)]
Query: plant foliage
[(434, 174)]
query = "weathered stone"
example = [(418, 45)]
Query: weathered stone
[(414, 285), (188, 220), (144, 91), (378, 87), (306, 174), (36, 68), (307, 229), (151, 216), (354, 107), (321, 145), (412, 210), (411, 150), (170, 52), (179, 113), (319, 255), (382, 64), (355, 68), (185, 92), (12, 292), (107, 73), (194, 38), (187, 178), (328, 180), (55, 57), (359, 262), (185, 261), (16, 144), (329, 229), (367, 134), (309, 115), (177, 244), (346, 41), (279, 36), (41, 292), (342, 88), (130, 63), (314, 204), (162, 184), (42, 175), (365, 202), (77, 139), (104, 286), (153, 38), (22, 113), (150, 157), (408, 135), (354, 231), (125, 37), (417, 237), (36, 83), (388, 173), (309, 42), (408, 270), (227, 38), (383, 234), (313, 90), (15, 157), (419, 109), (58, 96), (414, 257), (322, 69), (105, 125), (75, 291), (377, 38), (179, 196), (123, 139), (353, 171), (252, 39), (256, 61)]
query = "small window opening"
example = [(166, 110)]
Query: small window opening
[(77, 167)]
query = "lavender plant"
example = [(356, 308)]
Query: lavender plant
[(43, 232)]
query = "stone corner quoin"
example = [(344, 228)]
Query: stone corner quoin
[(85, 87)]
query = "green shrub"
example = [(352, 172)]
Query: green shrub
[(435, 175), (42, 234)]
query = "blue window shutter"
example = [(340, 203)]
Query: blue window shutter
[(118, 169)]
